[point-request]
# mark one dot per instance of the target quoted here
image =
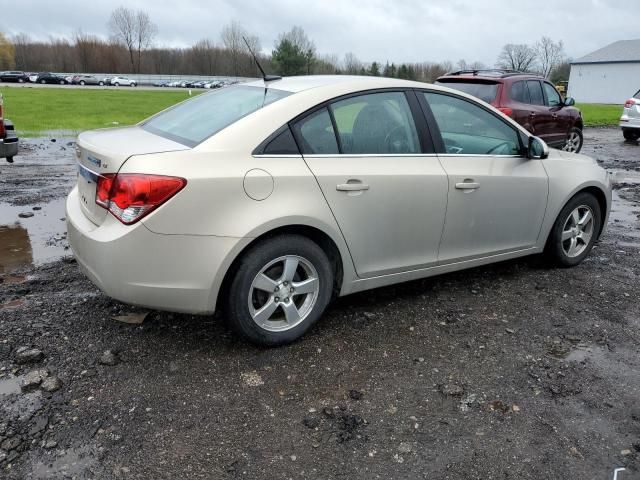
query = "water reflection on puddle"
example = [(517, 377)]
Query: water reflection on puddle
[(35, 240)]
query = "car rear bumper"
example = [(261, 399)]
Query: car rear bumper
[(627, 121), (9, 145), (180, 273)]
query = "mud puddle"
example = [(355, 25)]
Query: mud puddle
[(32, 235)]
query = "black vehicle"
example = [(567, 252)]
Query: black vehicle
[(86, 80), (8, 137), (14, 76), (48, 77)]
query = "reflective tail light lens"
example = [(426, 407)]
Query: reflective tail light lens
[(629, 103), (131, 196)]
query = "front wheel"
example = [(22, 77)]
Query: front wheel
[(574, 231), (101, 83), (117, 84), (82, 83), (631, 135), (280, 289), (43, 82), (574, 140)]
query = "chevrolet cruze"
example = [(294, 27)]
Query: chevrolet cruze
[(268, 199)]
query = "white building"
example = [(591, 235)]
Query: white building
[(608, 75)]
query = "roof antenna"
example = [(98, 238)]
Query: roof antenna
[(265, 77)]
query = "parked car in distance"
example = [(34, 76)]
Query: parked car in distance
[(86, 80), (213, 84), (174, 84), (33, 77), (329, 185), (51, 78), (8, 137), (117, 81), (160, 83), (630, 119), (529, 99), (14, 76)]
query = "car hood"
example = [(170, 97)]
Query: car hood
[(567, 156)]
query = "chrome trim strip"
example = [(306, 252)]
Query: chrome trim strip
[(87, 174)]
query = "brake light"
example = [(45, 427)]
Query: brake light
[(131, 196), (507, 111), (629, 103), (3, 131)]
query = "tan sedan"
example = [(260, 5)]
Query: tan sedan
[(271, 198)]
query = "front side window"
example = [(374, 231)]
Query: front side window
[(195, 120), (553, 98), (535, 92), (468, 129), (376, 123)]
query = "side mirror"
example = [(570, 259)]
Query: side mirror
[(569, 102), (537, 149)]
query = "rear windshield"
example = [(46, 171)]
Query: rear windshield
[(196, 120), (637, 95), (484, 91)]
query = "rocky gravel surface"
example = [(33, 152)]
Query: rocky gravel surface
[(512, 371)]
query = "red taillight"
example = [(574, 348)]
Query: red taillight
[(507, 111), (3, 131), (629, 103), (131, 196)]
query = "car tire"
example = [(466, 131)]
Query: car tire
[(82, 83), (631, 135), (21, 80), (573, 142), (117, 84), (264, 285), (574, 233), (9, 159), (101, 83), (42, 82)]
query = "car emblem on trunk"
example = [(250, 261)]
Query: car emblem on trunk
[(94, 160)]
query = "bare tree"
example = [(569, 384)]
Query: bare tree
[(135, 30), (519, 57), (352, 65), (550, 54), (232, 40)]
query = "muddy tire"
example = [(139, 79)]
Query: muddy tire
[(280, 289), (575, 231)]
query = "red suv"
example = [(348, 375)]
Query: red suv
[(529, 99)]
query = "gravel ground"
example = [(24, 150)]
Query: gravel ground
[(512, 371)]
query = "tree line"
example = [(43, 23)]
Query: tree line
[(131, 48)]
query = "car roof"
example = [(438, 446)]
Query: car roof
[(307, 82), (489, 74)]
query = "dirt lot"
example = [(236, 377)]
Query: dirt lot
[(514, 371)]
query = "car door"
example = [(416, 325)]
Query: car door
[(387, 196), (539, 116), (560, 120), (497, 197)]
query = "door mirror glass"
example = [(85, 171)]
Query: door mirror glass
[(537, 148), (569, 102)]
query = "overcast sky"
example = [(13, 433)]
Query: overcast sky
[(400, 30)]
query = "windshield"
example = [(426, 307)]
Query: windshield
[(194, 121), (484, 91)]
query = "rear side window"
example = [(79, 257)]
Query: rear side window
[(535, 92), (520, 93), (484, 91), (377, 123), (316, 134), (195, 120), (553, 98)]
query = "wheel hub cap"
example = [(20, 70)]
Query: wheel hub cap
[(577, 231)]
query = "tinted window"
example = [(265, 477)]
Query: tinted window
[(553, 98), (316, 134), (193, 121), (535, 92), (637, 95), (283, 144), (484, 91), (378, 123), (519, 92), (468, 129)]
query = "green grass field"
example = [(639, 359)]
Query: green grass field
[(35, 111), (600, 115)]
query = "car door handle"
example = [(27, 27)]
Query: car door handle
[(554, 116), (352, 187), (532, 114), (467, 185)]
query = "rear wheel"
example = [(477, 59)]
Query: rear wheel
[(280, 289), (631, 135), (43, 82), (82, 82), (101, 83), (575, 231), (10, 159), (574, 140), (117, 84)]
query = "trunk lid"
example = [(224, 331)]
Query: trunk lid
[(104, 151)]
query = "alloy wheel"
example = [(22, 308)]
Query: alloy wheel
[(573, 143), (283, 293), (577, 231)]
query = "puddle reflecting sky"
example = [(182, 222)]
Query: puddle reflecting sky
[(35, 240)]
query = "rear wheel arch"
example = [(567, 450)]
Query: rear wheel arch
[(320, 238)]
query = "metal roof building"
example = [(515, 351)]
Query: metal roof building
[(608, 75)]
